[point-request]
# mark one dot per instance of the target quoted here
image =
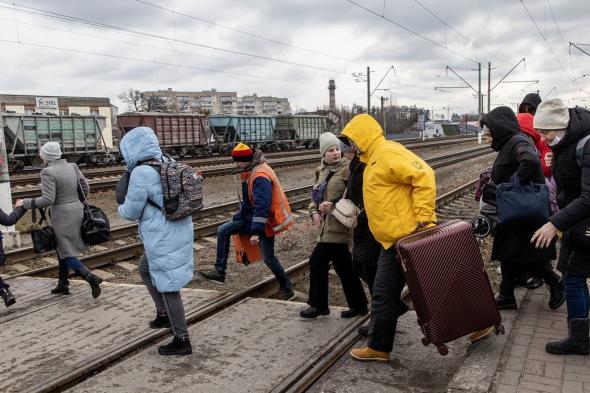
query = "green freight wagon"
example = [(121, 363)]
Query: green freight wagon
[(255, 131), (302, 130), (80, 138)]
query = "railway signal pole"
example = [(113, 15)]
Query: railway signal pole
[(360, 77)]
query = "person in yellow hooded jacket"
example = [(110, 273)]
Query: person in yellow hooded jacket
[(399, 192)]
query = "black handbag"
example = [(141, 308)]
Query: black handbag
[(43, 237), (96, 228)]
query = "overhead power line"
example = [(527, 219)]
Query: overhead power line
[(244, 32), (55, 15), (412, 31), (137, 44), (441, 20), (545, 38), (163, 63)]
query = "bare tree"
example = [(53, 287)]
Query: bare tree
[(153, 103), (132, 98)]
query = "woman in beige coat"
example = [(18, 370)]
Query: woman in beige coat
[(333, 237)]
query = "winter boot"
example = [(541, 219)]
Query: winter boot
[(557, 295), (353, 312), (505, 302), (213, 276), (178, 346), (63, 285), (313, 312), (161, 321), (369, 355), (91, 279), (578, 342), (7, 296)]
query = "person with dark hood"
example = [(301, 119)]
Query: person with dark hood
[(571, 169), (365, 249), (517, 156), (264, 213)]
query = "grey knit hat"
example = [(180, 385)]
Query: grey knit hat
[(327, 140), (552, 115), (50, 151)]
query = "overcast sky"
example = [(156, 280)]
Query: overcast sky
[(291, 48)]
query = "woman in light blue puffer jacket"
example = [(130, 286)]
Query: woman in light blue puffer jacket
[(167, 265)]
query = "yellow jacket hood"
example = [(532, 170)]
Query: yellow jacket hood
[(364, 131)]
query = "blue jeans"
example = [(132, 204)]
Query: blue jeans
[(267, 249), (577, 297), (69, 263)]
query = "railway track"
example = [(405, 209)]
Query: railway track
[(31, 176), (110, 182), (299, 381)]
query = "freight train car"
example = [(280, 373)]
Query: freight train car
[(80, 138), (179, 134), (256, 131), (292, 131)]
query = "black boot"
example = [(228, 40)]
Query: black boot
[(178, 346), (160, 322), (557, 295), (312, 312), (63, 285), (353, 312), (7, 296), (91, 279), (578, 342)]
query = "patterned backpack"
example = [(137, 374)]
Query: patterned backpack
[(182, 187)]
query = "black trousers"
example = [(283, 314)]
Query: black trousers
[(319, 264), (366, 271), (385, 302), (512, 270)]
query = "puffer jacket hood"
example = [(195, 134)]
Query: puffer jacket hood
[(399, 189), (168, 244), (140, 144), (578, 127), (503, 125), (365, 132), (525, 121)]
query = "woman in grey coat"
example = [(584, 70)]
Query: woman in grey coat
[(59, 191)]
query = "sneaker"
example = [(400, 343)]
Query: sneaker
[(353, 312), (480, 334), (178, 346), (212, 276), (160, 322), (312, 312), (534, 283), (286, 294), (369, 355)]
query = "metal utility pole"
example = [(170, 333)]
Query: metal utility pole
[(489, 85), (479, 103), (383, 99), (368, 90), (11, 237)]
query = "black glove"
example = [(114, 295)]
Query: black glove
[(121, 189)]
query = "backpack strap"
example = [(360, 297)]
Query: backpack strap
[(580, 149)]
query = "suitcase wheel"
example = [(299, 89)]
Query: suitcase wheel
[(443, 350), (499, 329), (425, 341)]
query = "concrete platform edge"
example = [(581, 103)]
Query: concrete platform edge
[(480, 366)]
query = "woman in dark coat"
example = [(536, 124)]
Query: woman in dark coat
[(571, 169), (60, 181), (8, 220), (518, 156)]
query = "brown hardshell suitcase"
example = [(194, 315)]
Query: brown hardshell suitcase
[(448, 283)]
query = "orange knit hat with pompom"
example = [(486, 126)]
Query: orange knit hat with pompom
[(242, 153)]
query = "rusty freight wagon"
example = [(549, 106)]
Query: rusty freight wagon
[(80, 138), (179, 134)]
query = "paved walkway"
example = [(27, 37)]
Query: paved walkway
[(526, 367)]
